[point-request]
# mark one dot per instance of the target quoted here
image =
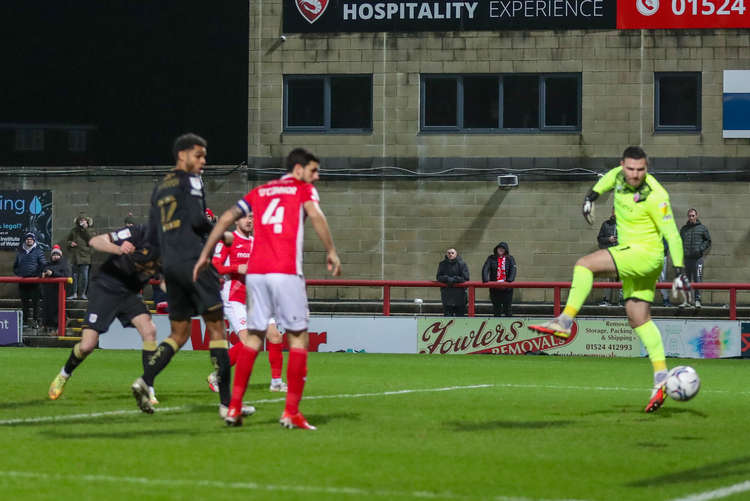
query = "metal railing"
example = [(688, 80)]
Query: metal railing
[(60, 281), (386, 285), (556, 287)]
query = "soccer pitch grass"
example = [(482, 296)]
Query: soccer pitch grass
[(389, 427)]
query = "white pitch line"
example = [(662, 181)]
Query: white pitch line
[(51, 478), (717, 493), (72, 417)]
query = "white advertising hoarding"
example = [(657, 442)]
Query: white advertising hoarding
[(327, 334)]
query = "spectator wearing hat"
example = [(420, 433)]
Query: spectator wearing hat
[(129, 220), (58, 267), (80, 254), (29, 262)]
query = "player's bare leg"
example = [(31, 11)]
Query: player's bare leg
[(296, 375)]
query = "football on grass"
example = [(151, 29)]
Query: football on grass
[(683, 383)]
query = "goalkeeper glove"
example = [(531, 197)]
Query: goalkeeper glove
[(588, 206)]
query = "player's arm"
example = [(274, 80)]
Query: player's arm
[(104, 243), (605, 184), (320, 224), (225, 221), (661, 214), (221, 253)]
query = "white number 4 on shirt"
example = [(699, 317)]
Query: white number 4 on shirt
[(273, 215)]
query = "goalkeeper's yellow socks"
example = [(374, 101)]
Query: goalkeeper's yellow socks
[(651, 339), (583, 280)]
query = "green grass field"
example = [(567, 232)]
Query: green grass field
[(389, 427)]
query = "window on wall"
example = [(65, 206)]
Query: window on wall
[(327, 103), (29, 140), (677, 102), (501, 103)]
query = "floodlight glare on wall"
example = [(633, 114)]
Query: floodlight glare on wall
[(507, 181)]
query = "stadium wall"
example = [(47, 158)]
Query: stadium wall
[(399, 229), (617, 69)]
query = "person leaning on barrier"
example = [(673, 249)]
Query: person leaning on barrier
[(56, 268), (500, 266), (453, 270), (29, 263)]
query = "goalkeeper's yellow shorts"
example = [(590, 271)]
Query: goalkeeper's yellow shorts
[(638, 269)]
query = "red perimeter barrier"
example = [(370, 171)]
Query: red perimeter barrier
[(61, 281), (387, 284), (555, 286)]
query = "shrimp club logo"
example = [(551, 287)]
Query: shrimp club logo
[(311, 9)]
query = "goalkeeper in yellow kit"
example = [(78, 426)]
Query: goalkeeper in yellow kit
[(644, 216)]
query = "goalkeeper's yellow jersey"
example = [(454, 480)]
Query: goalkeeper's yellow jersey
[(643, 214)]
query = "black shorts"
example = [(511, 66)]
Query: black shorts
[(107, 303), (187, 298)]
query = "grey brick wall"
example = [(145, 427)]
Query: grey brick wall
[(617, 69), (399, 229)]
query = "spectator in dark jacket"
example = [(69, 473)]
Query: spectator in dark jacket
[(608, 238), (695, 243), (453, 270), (80, 252), (500, 267), (58, 267), (29, 262)]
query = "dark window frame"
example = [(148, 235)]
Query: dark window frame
[(326, 128), (459, 128), (657, 102)]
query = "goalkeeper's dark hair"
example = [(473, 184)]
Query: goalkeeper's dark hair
[(634, 152), (299, 156), (187, 142)]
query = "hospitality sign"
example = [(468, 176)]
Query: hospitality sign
[(352, 16), (346, 16)]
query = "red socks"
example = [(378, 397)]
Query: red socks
[(233, 351), (296, 373), (275, 358), (243, 369)]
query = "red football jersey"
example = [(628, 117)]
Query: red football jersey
[(279, 224), (227, 260)]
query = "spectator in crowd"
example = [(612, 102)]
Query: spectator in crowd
[(695, 243), (29, 262), (608, 238), (57, 267), (453, 270), (80, 254), (500, 267), (129, 220)]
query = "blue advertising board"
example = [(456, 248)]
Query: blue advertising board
[(23, 211), (10, 327)]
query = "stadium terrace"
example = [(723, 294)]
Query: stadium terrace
[(415, 10)]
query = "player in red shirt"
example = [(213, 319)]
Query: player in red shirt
[(276, 286), (231, 258)]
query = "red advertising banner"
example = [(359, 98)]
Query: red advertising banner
[(682, 14)]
